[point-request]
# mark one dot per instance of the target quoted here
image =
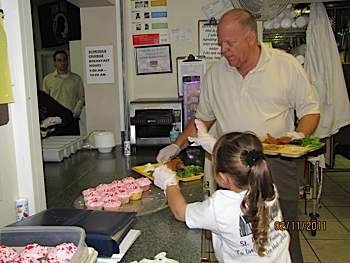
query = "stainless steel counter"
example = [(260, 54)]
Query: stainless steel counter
[(160, 230)]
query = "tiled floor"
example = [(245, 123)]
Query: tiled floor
[(331, 245)]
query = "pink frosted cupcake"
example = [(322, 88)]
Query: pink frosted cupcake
[(34, 251), (123, 195), (111, 204), (7, 254), (110, 195), (94, 204), (118, 183), (89, 191), (102, 188), (128, 180), (135, 190), (144, 183), (23, 259), (62, 253)]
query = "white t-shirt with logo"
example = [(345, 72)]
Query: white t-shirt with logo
[(231, 234)]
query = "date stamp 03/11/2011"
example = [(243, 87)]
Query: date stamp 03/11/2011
[(300, 225)]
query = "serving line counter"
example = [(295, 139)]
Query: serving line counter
[(160, 231)]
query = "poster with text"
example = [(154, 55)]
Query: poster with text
[(99, 65)]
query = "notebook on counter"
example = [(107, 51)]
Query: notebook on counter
[(104, 230)]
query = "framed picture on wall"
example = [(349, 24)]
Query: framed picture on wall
[(59, 22), (153, 59)]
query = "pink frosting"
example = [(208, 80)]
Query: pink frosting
[(134, 187), (62, 253), (143, 181), (89, 191), (102, 188), (128, 180), (24, 259), (111, 203), (118, 183), (7, 254), (34, 251)]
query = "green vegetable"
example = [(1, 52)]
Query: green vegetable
[(311, 141), (190, 170)]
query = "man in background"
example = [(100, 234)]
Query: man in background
[(65, 87)]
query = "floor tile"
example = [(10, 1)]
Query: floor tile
[(336, 199), (340, 212), (328, 230), (324, 213), (331, 251), (346, 223), (309, 255)]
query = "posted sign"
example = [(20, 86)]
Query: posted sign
[(99, 65)]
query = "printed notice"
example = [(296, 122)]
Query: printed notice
[(99, 65), (208, 41)]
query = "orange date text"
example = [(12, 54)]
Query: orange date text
[(300, 225)]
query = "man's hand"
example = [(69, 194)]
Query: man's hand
[(168, 152), (50, 121), (295, 135), (203, 137), (164, 177)]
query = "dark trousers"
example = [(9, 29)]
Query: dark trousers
[(284, 173)]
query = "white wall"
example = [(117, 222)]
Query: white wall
[(98, 26), (21, 173)]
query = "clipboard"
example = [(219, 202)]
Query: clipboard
[(207, 39), (187, 67)]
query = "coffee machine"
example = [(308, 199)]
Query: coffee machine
[(152, 119)]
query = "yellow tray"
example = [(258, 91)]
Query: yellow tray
[(141, 170), (289, 150)]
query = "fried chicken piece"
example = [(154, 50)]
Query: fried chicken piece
[(281, 140), (175, 164)]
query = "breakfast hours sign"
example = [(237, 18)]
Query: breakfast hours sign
[(99, 65)]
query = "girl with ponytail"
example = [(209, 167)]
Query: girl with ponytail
[(243, 214)]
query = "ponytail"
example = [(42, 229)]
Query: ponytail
[(240, 155), (260, 189)]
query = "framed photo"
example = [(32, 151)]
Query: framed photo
[(153, 59)]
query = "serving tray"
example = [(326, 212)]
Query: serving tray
[(141, 170), (289, 150)]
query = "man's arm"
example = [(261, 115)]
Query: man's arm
[(308, 124), (80, 102), (190, 130)]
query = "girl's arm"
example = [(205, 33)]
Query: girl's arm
[(176, 202)]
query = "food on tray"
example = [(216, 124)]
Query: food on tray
[(135, 191), (24, 259), (311, 141), (144, 183), (7, 254), (111, 204), (34, 251), (280, 140), (149, 168), (175, 164), (108, 196), (182, 170), (272, 147), (61, 253)]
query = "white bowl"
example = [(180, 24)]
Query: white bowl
[(105, 149), (104, 139)]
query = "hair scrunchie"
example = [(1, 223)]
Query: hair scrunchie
[(253, 156)]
